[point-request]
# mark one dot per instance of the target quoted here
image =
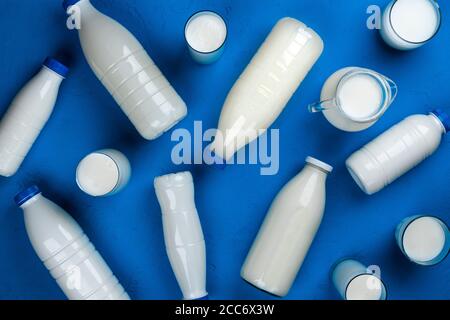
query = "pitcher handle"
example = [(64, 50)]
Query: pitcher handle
[(322, 105)]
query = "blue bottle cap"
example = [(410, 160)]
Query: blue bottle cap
[(56, 66), (69, 3), (443, 117), (26, 195)]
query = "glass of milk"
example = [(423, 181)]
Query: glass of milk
[(353, 98), (409, 24), (103, 173), (424, 240), (354, 281), (206, 34)]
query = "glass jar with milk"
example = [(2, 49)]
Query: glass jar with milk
[(409, 24), (354, 98)]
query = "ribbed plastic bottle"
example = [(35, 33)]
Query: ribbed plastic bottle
[(288, 231), (398, 150), (183, 235), (267, 84), (28, 114), (123, 66), (65, 250)]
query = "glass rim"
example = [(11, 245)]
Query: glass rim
[(439, 14), (193, 16), (119, 174), (384, 294), (384, 105), (430, 262)]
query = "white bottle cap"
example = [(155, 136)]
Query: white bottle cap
[(317, 163), (98, 174)]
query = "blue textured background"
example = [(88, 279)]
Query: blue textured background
[(232, 203)]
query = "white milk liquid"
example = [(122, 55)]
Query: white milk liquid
[(424, 239), (364, 287), (206, 32), (97, 174), (414, 20), (360, 96)]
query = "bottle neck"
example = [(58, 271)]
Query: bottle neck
[(86, 8), (31, 201), (312, 169), (438, 123), (50, 74)]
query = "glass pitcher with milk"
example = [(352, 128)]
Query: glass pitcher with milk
[(354, 98)]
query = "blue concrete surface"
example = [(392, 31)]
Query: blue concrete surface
[(232, 203)]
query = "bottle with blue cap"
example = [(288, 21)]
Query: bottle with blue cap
[(398, 150), (28, 114), (123, 66), (66, 251)]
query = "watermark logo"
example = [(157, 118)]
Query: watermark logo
[(197, 148), (74, 20), (374, 20)]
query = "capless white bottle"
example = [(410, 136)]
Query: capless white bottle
[(265, 87), (398, 150), (183, 235), (288, 231), (28, 114), (128, 73), (65, 250)]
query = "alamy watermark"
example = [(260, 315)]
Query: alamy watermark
[(196, 148), (374, 20), (74, 20)]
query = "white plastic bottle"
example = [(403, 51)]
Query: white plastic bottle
[(125, 69), (397, 151), (60, 243), (28, 114), (288, 231), (266, 86), (183, 233)]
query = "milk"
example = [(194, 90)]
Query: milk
[(408, 24), (66, 251), (353, 99), (358, 288), (424, 240), (103, 172), (361, 97), (183, 235), (205, 34), (397, 151), (266, 85), (128, 73), (354, 281), (27, 115), (288, 231)]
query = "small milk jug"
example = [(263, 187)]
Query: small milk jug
[(288, 231), (125, 69), (398, 150), (183, 235), (265, 87), (65, 250), (354, 98), (28, 114)]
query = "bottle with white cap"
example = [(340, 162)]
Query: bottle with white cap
[(28, 114), (354, 281), (183, 235), (103, 173), (128, 73), (288, 231), (65, 250), (398, 150)]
